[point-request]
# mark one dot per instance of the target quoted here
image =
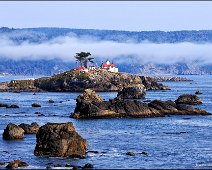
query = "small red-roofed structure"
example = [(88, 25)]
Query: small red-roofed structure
[(109, 67)]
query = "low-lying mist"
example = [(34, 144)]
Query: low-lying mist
[(66, 47)]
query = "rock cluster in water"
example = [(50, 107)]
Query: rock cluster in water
[(13, 131), (59, 139), (91, 105)]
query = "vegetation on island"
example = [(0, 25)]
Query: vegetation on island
[(83, 58)]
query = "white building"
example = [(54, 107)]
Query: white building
[(109, 67)]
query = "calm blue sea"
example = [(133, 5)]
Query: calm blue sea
[(114, 137)]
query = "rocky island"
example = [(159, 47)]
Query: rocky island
[(78, 81)]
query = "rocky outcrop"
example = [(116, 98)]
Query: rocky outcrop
[(29, 129), (117, 107), (76, 81), (13, 131), (188, 99), (16, 164), (132, 92), (59, 139)]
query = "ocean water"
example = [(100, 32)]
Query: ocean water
[(112, 138)]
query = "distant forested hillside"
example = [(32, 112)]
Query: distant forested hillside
[(49, 67), (43, 34)]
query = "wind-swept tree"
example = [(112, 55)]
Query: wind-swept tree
[(83, 58)]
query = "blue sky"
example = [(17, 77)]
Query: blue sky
[(134, 16)]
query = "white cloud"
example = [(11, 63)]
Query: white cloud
[(66, 47)]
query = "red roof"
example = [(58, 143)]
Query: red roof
[(108, 65), (80, 68)]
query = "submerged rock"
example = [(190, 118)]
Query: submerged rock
[(59, 139), (144, 153), (130, 154), (132, 92), (188, 99), (88, 166), (90, 105), (13, 131), (198, 92), (51, 101), (9, 106), (36, 105), (93, 152), (3, 105), (29, 129), (12, 106), (16, 164)]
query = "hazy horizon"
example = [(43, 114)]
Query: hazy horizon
[(108, 15), (102, 29)]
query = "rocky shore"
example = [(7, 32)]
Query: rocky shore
[(76, 81), (91, 105)]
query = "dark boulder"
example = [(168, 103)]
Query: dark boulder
[(188, 99), (132, 92), (59, 139), (29, 129), (13, 131), (16, 164), (36, 105)]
